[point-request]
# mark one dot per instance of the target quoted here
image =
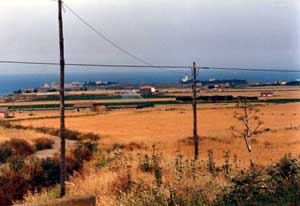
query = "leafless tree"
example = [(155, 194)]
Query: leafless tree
[(247, 116)]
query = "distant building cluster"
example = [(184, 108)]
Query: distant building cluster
[(72, 86)]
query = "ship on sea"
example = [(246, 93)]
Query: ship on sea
[(186, 80)]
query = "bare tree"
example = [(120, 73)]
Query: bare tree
[(250, 122)]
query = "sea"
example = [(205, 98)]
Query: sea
[(13, 82)]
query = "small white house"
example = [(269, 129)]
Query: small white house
[(4, 112), (267, 94)]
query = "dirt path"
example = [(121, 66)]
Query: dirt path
[(56, 148)]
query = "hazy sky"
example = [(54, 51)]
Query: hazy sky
[(237, 33)]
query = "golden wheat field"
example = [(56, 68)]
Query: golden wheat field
[(170, 129)]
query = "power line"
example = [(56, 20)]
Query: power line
[(252, 70), (100, 34), (145, 66), (110, 41), (149, 65), (95, 65)]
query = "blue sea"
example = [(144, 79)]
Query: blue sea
[(12, 82)]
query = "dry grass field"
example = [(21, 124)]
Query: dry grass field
[(28, 135), (84, 101), (170, 127), (278, 92)]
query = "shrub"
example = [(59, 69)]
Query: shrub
[(84, 151), (150, 163), (90, 136), (19, 127), (211, 163), (33, 174), (226, 166), (12, 187), (5, 152), (51, 171), (16, 163), (46, 172), (20, 147), (92, 146), (69, 134), (275, 185), (122, 183), (72, 135), (43, 143), (72, 164), (135, 146)]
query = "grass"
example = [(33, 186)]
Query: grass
[(28, 135), (154, 180), (128, 171), (69, 134), (170, 126)]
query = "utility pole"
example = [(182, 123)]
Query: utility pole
[(62, 103), (194, 87)]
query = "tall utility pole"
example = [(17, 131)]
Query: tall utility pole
[(62, 103), (194, 87)]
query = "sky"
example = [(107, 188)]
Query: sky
[(231, 33)]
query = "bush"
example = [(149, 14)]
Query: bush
[(72, 164), (82, 152), (72, 135), (33, 174), (16, 163), (90, 136), (69, 134), (12, 187), (5, 152), (51, 171), (20, 147), (92, 146), (275, 185), (14, 147), (43, 143)]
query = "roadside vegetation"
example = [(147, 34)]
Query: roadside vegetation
[(21, 172), (151, 179), (70, 134)]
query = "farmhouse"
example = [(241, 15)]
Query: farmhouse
[(87, 106), (147, 91), (4, 113), (267, 94)]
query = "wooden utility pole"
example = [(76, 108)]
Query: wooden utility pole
[(62, 103), (194, 87)]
